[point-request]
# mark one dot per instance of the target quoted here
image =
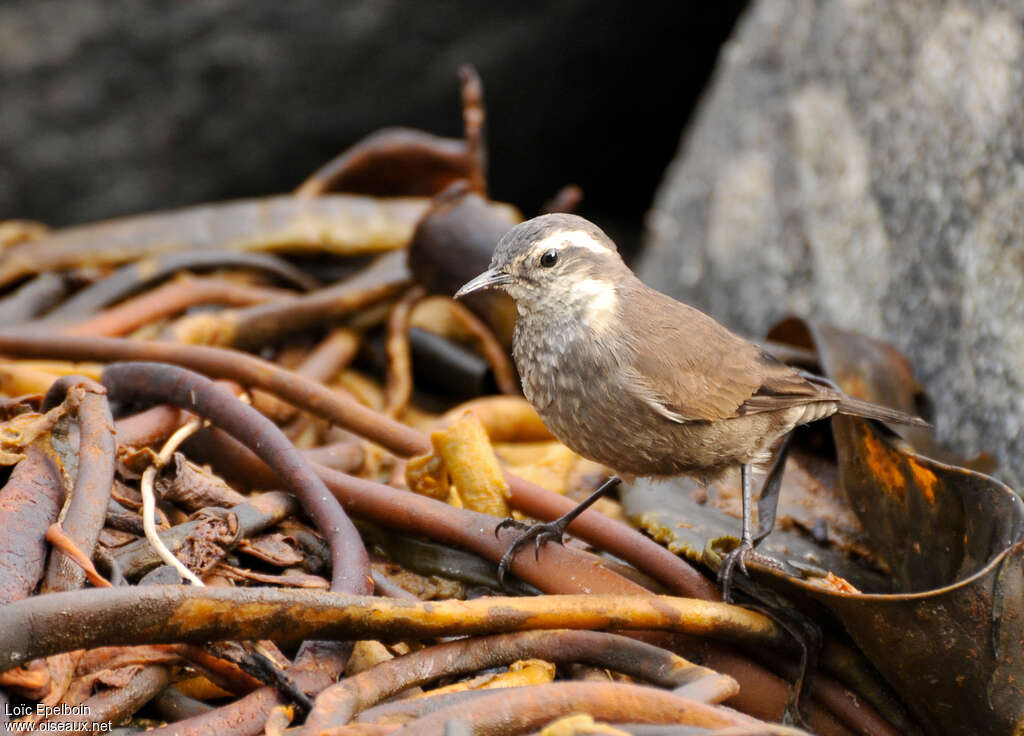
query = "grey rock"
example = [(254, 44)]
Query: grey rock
[(861, 162)]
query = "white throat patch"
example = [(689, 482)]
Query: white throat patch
[(572, 237), (599, 301)]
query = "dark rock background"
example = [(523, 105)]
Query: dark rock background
[(862, 162), (113, 107)]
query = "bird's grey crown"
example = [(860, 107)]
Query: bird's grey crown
[(521, 237)]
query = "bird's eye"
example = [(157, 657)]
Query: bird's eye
[(549, 259)]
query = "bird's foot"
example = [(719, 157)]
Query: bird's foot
[(730, 561), (540, 532), (738, 558), (550, 530)]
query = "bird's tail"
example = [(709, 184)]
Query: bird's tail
[(861, 408)]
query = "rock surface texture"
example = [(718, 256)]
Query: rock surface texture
[(862, 162)]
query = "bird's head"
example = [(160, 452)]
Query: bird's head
[(553, 261)]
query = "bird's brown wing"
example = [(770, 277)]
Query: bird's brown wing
[(782, 387), (689, 367)]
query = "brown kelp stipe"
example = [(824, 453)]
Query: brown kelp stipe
[(86, 511), (29, 503), (133, 278), (33, 298), (39, 626), (336, 705), (399, 383), (169, 299), (262, 324), (113, 705), (339, 224), (521, 709)]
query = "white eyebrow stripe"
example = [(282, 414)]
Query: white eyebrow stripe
[(578, 238)]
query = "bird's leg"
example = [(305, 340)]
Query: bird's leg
[(767, 504), (550, 530), (739, 555), (768, 501)]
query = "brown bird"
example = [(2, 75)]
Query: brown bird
[(631, 378)]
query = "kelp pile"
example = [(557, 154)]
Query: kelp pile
[(257, 458)]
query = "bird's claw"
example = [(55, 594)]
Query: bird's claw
[(738, 558), (730, 561), (540, 533), (509, 523)]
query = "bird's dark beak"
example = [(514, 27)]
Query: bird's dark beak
[(489, 279)]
